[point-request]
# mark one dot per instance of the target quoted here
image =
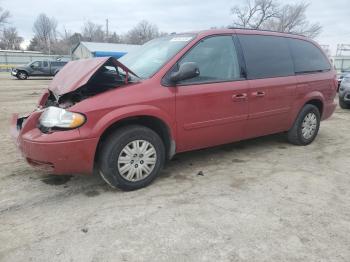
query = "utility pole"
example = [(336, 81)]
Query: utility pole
[(49, 46), (107, 29)]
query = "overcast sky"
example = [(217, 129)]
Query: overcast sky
[(169, 16)]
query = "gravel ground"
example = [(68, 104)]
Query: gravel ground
[(257, 200)]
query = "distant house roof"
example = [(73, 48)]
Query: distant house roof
[(107, 49)]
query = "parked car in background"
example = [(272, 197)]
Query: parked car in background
[(344, 92), (177, 93), (343, 73), (38, 68)]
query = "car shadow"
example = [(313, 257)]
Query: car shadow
[(35, 78), (93, 185)]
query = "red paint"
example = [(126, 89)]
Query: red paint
[(197, 116)]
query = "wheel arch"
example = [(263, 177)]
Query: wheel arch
[(155, 122), (23, 70), (318, 103), (314, 98)]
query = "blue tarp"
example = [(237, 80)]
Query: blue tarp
[(108, 53)]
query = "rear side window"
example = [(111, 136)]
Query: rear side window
[(266, 56), (307, 57), (58, 63), (45, 64)]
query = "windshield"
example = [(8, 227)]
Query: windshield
[(150, 57)]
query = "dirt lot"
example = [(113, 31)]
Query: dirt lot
[(258, 200)]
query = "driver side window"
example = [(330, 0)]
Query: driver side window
[(216, 58), (36, 64)]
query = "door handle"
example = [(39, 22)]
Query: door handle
[(259, 93), (239, 97)]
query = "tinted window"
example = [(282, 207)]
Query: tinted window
[(307, 57), (58, 63), (45, 64), (216, 58), (36, 64), (266, 56)]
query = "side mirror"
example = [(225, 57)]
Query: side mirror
[(32, 66), (186, 71)]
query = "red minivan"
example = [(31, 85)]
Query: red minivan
[(124, 118)]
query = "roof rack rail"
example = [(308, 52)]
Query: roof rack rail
[(265, 30)]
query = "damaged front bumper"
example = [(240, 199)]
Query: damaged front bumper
[(61, 152)]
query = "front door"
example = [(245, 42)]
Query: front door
[(36, 68), (212, 108)]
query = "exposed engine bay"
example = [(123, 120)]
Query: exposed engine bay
[(108, 76)]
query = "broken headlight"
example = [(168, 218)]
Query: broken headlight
[(60, 118)]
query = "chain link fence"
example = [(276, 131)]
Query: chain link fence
[(10, 59)]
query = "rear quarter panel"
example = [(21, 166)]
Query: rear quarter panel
[(317, 86)]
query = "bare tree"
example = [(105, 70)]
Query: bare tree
[(10, 39), (141, 33), (93, 32), (45, 32), (4, 17), (271, 15), (63, 44), (114, 38), (254, 13), (292, 19), (76, 38)]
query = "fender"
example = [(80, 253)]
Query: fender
[(132, 111), (301, 101), (24, 70)]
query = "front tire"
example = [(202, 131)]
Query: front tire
[(131, 157), (306, 126), (22, 75)]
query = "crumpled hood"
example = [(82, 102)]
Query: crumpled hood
[(77, 73)]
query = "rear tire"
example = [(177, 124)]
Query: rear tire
[(343, 104), (306, 126), (131, 157)]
